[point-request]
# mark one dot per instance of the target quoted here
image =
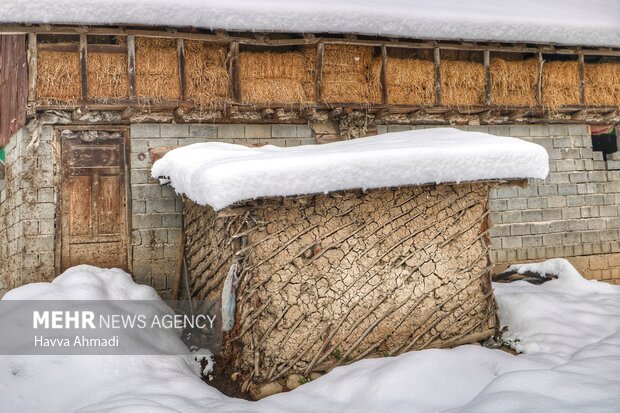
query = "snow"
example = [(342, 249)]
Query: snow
[(575, 22), (220, 174), (568, 328)]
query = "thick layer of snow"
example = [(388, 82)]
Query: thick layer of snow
[(569, 329), (220, 174), (576, 22)]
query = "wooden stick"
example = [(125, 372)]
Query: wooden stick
[(582, 79), (32, 67), (84, 65), (131, 65), (384, 68), (318, 74), (176, 288), (487, 77), (437, 61), (540, 77), (233, 71), (181, 59)]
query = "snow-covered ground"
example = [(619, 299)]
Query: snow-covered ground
[(569, 330), (576, 22), (220, 174)]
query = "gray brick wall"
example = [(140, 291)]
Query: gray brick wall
[(156, 210), (27, 211)]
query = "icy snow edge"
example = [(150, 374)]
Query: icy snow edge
[(221, 174)]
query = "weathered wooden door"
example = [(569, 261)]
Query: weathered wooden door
[(94, 221)]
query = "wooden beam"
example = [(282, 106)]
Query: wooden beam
[(233, 72), (181, 60), (32, 67), (540, 77), (131, 66), (437, 61), (582, 79), (84, 65), (318, 71), (384, 68), (487, 77)]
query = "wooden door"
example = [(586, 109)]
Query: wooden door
[(94, 221)]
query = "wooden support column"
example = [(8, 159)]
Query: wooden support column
[(384, 68), (32, 67), (233, 72), (131, 65), (181, 59), (582, 79), (540, 77), (437, 61), (318, 72), (487, 77), (84, 65)]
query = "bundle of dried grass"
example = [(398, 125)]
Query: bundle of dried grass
[(560, 84), (157, 69), (346, 73), (603, 84), (514, 82), (286, 77), (206, 73), (58, 75), (107, 76), (409, 81), (462, 83)]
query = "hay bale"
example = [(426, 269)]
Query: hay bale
[(157, 69), (462, 83), (409, 81), (107, 76), (603, 84), (58, 75), (286, 77), (206, 73), (346, 75), (560, 84), (514, 82)]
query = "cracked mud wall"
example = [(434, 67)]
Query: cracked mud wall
[(329, 279)]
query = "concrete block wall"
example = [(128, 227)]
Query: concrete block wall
[(156, 210), (28, 211)]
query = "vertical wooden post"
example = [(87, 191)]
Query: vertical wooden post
[(131, 65), (181, 58), (487, 77), (32, 67), (84, 65), (233, 71), (318, 71), (582, 79), (539, 98), (437, 61), (384, 68)]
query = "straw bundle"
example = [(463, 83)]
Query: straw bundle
[(560, 84), (58, 75), (107, 75), (514, 82), (462, 83), (603, 84), (277, 77), (206, 73), (346, 72), (409, 81), (157, 69)]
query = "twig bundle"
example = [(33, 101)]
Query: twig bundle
[(603, 84), (462, 83), (409, 81), (514, 83), (157, 69), (346, 75), (560, 84), (206, 73), (107, 75), (58, 75)]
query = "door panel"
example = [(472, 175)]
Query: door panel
[(94, 226)]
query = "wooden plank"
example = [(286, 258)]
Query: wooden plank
[(181, 60), (233, 71), (32, 67), (318, 73), (384, 68), (84, 65), (487, 77), (582, 79), (539, 82), (131, 66), (14, 86), (437, 62)]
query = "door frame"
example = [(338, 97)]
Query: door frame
[(58, 173)]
